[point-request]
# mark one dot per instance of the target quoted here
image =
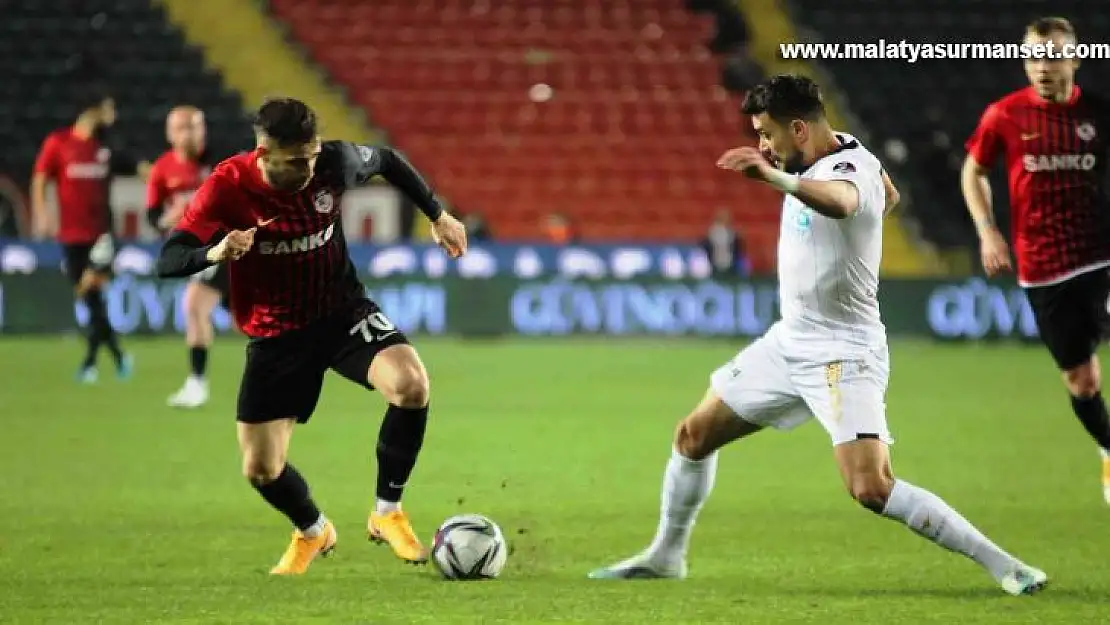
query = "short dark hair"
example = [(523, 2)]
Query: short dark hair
[(287, 121), (1045, 26), (91, 97), (784, 98)]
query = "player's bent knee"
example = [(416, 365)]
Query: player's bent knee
[(1084, 380), (871, 490), (689, 439), (410, 388), (260, 470)]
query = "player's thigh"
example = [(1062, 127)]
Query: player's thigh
[(371, 351), (756, 386), (264, 447), (282, 378), (1068, 322), (200, 297), (848, 397)]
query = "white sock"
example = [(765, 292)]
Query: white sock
[(928, 516), (686, 485), (316, 529), (382, 506)]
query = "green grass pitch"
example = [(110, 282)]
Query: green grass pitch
[(116, 509)]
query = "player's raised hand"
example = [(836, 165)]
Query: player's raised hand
[(994, 252), (450, 234), (233, 246), (746, 160)]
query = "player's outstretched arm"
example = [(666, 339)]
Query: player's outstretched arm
[(836, 199), (362, 162), (182, 255)]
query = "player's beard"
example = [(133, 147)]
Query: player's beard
[(793, 163), (286, 182)]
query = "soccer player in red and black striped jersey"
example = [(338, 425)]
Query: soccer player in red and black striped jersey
[(173, 180), (1055, 140), (81, 166), (295, 293)]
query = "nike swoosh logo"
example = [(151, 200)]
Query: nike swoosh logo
[(265, 222), (392, 485), (1029, 136)]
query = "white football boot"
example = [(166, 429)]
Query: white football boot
[(193, 394)]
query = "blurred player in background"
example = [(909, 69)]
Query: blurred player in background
[(1054, 138), (175, 176), (826, 358), (82, 166), (296, 294)]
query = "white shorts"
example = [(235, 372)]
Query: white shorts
[(766, 387)]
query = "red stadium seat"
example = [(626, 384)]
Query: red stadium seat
[(625, 141)]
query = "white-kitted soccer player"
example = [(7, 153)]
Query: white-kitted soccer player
[(827, 357)]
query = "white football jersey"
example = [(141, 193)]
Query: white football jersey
[(828, 268)]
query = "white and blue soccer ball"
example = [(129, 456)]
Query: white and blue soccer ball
[(469, 547)]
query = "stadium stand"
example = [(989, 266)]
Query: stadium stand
[(624, 143), (918, 108), (49, 49)]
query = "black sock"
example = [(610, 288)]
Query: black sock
[(198, 360), (1092, 414), (399, 443), (100, 329), (289, 495), (92, 346)]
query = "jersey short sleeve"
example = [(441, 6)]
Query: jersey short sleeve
[(860, 168), (207, 210), (987, 142), (48, 160), (156, 186)]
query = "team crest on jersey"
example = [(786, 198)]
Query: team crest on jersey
[(1085, 131), (103, 155), (365, 153), (844, 167), (323, 201)]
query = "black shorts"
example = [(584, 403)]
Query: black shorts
[(78, 257), (1073, 317), (284, 374), (215, 277)]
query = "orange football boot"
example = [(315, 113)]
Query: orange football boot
[(303, 550), (1106, 478), (393, 528)]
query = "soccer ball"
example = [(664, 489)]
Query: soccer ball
[(468, 547)]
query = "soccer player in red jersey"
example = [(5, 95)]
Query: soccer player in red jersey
[(81, 166), (174, 178), (1053, 138), (296, 294)]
